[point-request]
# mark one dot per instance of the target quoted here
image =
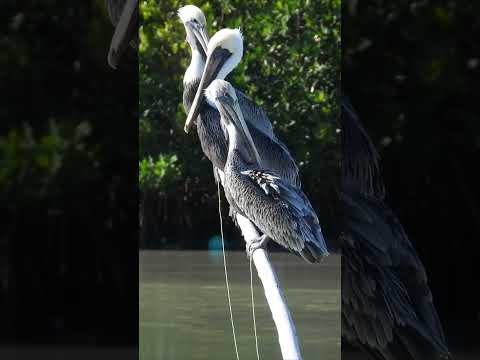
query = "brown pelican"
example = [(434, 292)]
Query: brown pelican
[(387, 307), (224, 52), (124, 16), (281, 211), (197, 37)]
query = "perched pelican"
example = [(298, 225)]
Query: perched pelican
[(124, 16), (197, 37), (279, 210), (387, 307), (224, 52)]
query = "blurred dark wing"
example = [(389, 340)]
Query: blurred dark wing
[(361, 161), (386, 302), (115, 8)]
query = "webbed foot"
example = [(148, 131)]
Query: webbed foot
[(259, 243)]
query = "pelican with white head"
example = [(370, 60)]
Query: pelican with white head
[(224, 52), (279, 209), (196, 27)]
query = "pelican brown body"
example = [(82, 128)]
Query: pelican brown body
[(213, 140)]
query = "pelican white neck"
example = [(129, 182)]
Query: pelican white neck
[(195, 69)]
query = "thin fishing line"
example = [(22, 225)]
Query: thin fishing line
[(225, 268), (253, 309)]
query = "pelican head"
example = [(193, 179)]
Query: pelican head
[(221, 95), (125, 31), (224, 52), (196, 27)]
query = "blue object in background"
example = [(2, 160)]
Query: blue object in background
[(215, 243), (215, 249)]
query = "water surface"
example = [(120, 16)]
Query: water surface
[(184, 309)]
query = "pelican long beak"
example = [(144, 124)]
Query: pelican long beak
[(124, 32), (231, 110), (201, 36), (215, 62)]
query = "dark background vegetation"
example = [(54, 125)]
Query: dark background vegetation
[(291, 67), (412, 70), (68, 184)]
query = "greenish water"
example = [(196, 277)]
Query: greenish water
[(184, 309)]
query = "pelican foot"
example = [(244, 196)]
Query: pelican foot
[(259, 243)]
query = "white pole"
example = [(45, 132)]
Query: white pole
[(287, 336)]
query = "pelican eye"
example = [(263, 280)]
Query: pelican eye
[(223, 98)]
